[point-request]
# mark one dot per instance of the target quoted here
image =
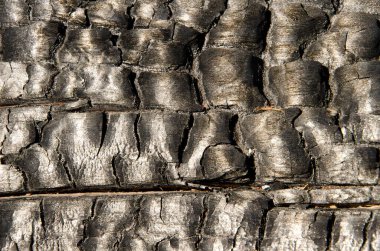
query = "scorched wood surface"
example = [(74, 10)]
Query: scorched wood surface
[(189, 125)]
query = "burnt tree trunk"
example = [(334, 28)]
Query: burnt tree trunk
[(189, 125)]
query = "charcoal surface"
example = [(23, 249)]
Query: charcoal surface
[(162, 125)]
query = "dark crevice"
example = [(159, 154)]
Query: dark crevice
[(68, 174), (232, 123), (326, 89), (203, 171), (313, 169), (120, 57), (133, 83), (336, 5), (131, 19), (37, 132), (330, 227), (114, 172), (250, 165), (185, 137), (265, 27), (263, 224), (157, 245), (87, 23), (42, 216), (301, 49), (114, 39), (161, 209), (258, 76), (104, 130), (59, 41), (198, 93), (136, 133), (32, 240), (48, 92)]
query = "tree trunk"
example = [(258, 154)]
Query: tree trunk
[(189, 125)]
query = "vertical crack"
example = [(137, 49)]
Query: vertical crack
[(114, 172), (42, 216), (46, 122), (365, 230), (232, 123), (198, 92), (330, 227), (202, 222), (217, 18), (132, 82), (104, 130), (167, 5), (235, 237), (131, 19), (263, 224), (59, 41), (86, 224), (88, 22), (32, 239), (16, 246), (161, 205), (7, 128), (62, 161), (136, 133), (185, 137)]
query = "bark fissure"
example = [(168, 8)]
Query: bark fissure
[(103, 131), (185, 137), (202, 222), (330, 229), (136, 133), (86, 222)]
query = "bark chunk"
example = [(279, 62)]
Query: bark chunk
[(77, 49), (296, 229), (242, 25), (292, 26), (33, 42), (230, 78), (298, 83), (110, 86), (197, 14), (275, 145), (357, 88), (174, 91)]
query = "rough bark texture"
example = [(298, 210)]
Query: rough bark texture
[(189, 125)]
